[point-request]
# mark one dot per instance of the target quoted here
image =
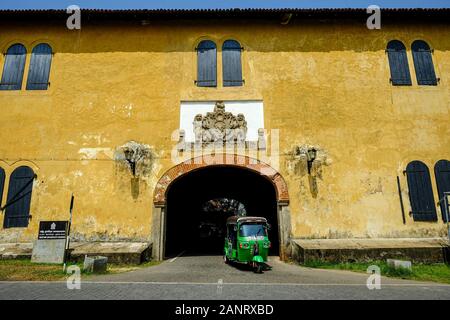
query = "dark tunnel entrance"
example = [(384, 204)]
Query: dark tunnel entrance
[(199, 203)]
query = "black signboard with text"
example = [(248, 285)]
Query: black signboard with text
[(52, 230)]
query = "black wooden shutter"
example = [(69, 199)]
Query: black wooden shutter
[(19, 198), (398, 63), (207, 64), (423, 63), (232, 64), (41, 59), (2, 184), (12, 75), (442, 173), (421, 192)]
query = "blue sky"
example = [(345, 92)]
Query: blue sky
[(208, 4)]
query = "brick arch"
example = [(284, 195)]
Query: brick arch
[(245, 162)]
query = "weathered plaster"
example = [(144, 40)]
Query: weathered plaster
[(324, 84)]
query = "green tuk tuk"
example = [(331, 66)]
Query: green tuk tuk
[(247, 241)]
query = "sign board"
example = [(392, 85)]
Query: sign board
[(52, 230), (51, 244)]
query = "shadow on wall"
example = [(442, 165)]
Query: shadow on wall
[(324, 35), (138, 160), (308, 160)]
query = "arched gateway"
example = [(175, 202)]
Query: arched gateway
[(236, 176)]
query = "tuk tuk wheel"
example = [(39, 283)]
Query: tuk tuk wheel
[(258, 268)]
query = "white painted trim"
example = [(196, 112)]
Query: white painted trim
[(253, 111)]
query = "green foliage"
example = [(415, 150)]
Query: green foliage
[(25, 270)]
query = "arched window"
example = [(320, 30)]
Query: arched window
[(19, 198), (423, 63), (206, 64), (442, 173), (420, 192), (38, 75), (12, 75), (398, 63), (232, 65), (2, 184)]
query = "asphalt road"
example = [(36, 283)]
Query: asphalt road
[(207, 277)]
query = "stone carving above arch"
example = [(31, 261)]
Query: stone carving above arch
[(220, 126), (159, 197)]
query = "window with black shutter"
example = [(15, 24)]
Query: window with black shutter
[(232, 65), (38, 75), (206, 64), (398, 63), (442, 173), (2, 184), (420, 192), (19, 198), (423, 63), (13, 67)]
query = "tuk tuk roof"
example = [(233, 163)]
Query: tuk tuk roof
[(235, 219)]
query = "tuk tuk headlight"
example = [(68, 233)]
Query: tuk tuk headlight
[(244, 245)]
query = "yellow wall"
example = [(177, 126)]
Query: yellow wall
[(325, 84)]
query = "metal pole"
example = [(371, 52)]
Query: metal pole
[(401, 199), (68, 231), (447, 214)]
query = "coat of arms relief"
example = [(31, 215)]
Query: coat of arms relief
[(221, 127)]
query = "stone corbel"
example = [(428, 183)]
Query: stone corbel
[(307, 160), (181, 145), (261, 139)]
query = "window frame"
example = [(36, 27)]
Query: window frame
[(8, 73), (19, 195), (2, 184), (238, 80), (420, 193), (398, 63), (424, 63), (443, 185), (45, 77), (211, 67)]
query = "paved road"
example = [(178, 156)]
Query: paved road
[(207, 277)]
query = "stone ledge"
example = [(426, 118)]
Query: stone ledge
[(15, 250), (422, 250), (117, 252)]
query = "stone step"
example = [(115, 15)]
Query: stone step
[(15, 250), (418, 250), (117, 252)]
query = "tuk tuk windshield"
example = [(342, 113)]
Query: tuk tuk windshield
[(253, 230)]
